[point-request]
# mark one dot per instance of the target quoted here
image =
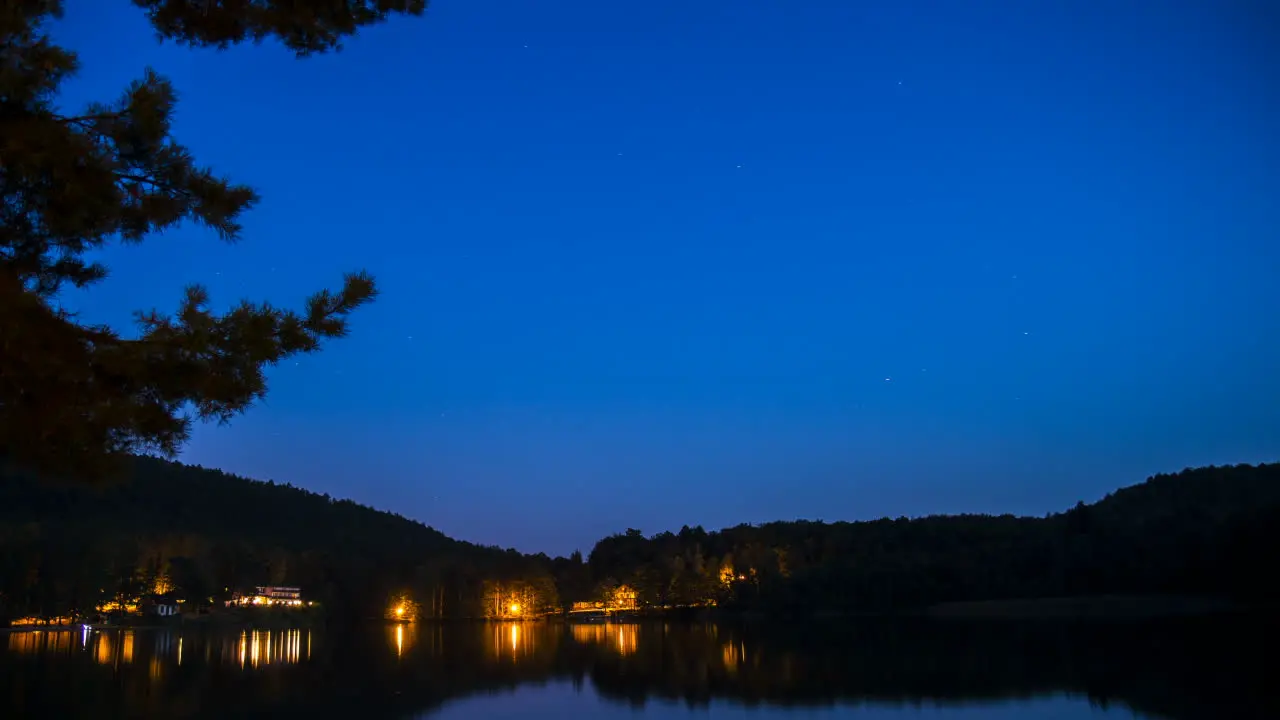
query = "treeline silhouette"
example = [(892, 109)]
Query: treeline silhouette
[(1184, 669), (69, 546), (1205, 532), (1201, 532)]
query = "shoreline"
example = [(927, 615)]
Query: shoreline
[(1077, 608)]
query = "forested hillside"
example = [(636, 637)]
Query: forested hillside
[(1205, 532), (208, 533)]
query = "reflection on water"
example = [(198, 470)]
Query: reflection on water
[(264, 647), (43, 641), (512, 642), (621, 638), (923, 670), (116, 647), (397, 639), (105, 653)]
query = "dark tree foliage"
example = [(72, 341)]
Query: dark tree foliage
[(1205, 532), (304, 27), (70, 546), (73, 396)]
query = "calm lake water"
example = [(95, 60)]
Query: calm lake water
[(925, 671)]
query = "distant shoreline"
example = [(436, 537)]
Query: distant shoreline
[(1202, 532), (264, 621), (1118, 607), (1084, 607)]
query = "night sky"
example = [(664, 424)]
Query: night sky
[(665, 263)]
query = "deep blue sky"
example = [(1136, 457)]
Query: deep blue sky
[(649, 264)]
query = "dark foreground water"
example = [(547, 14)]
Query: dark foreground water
[(925, 671)]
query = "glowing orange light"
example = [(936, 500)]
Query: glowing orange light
[(515, 608)]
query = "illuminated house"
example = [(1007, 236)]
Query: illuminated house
[(620, 599), (271, 596), (160, 606)]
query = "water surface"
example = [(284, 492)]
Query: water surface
[(950, 670)]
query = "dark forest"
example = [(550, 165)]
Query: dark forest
[(204, 534)]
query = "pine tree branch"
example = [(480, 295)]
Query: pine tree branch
[(72, 395), (157, 184), (305, 28), (87, 121)]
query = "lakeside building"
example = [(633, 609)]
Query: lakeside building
[(269, 595), (621, 599), (163, 605)]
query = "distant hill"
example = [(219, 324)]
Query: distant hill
[(209, 533), (171, 498), (1205, 529), (1211, 532)]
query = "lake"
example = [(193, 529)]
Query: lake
[(924, 670)]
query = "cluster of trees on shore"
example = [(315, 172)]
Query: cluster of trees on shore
[(1201, 532), (206, 534), (69, 547)]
